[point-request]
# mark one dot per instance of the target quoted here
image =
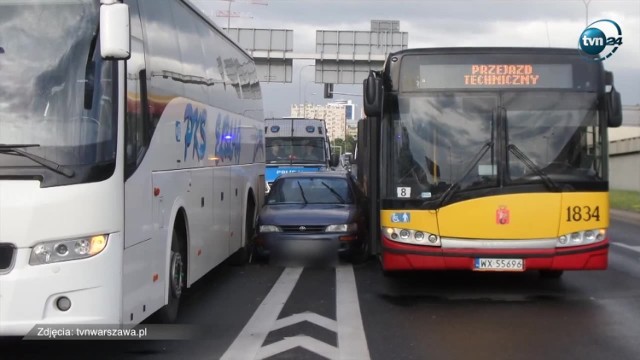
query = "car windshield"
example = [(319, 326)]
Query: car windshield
[(312, 190)]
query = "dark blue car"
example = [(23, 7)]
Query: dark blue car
[(309, 215)]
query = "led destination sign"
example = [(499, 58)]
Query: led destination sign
[(445, 76)]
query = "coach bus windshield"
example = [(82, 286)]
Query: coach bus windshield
[(55, 90), (441, 139)]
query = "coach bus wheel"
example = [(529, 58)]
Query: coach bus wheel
[(245, 253), (551, 274), (169, 313)]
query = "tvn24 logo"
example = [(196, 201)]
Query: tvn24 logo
[(597, 46)]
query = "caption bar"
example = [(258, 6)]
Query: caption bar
[(113, 332)]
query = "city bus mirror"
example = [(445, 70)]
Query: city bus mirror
[(614, 108), (372, 91), (115, 41), (335, 160), (608, 78)]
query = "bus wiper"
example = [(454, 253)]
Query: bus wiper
[(334, 192), (14, 148), (456, 184), (533, 167), (302, 192)]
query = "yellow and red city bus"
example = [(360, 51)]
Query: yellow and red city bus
[(488, 159)]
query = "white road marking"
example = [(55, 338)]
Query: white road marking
[(248, 343), (306, 342), (314, 318), (352, 343), (630, 247)]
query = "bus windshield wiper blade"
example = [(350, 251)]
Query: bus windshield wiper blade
[(334, 192), (456, 184), (533, 167), (302, 192), (61, 169)]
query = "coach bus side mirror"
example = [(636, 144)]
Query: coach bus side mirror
[(115, 40), (614, 108), (372, 94)]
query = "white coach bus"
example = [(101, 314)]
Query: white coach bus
[(131, 158)]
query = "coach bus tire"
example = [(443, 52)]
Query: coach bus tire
[(244, 255), (551, 274), (169, 313)]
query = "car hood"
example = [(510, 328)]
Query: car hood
[(307, 214)]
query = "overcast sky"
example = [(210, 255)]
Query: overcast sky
[(435, 23)]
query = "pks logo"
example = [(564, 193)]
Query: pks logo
[(597, 46)]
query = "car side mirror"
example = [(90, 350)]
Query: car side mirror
[(335, 160)]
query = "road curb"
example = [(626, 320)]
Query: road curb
[(624, 215)]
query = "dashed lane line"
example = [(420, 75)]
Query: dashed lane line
[(352, 342)]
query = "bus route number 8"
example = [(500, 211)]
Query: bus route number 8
[(582, 213)]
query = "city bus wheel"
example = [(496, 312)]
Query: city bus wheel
[(551, 274), (169, 313)]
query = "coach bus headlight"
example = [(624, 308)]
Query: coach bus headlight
[(65, 250), (413, 237), (582, 238)]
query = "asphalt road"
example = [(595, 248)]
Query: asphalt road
[(273, 312)]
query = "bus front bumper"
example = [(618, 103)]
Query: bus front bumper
[(29, 293), (397, 256)]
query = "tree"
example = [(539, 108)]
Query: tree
[(350, 144)]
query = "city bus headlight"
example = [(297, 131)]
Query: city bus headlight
[(413, 237), (65, 250), (581, 238)]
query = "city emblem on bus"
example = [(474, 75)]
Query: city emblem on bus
[(502, 215)]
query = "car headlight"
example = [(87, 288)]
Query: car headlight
[(581, 238), (413, 237), (269, 228), (353, 227), (64, 250)]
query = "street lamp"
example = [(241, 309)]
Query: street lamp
[(300, 81), (586, 7), (304, 114)]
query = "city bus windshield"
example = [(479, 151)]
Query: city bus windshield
[(442, 139), (55, 90)]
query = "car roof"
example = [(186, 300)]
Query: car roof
[(319, 174)]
